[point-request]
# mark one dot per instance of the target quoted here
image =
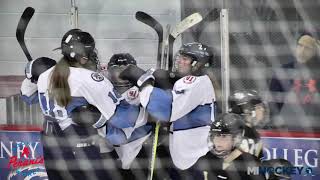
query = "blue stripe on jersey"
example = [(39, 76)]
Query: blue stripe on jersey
[(160, 103), (200, 116), (43, 102), (75, 102), (140, 132), (115, 135), (45, 108), (125, 115), (33, 99), (51, 107)]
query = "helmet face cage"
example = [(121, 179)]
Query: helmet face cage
[(226, 124), (237, 138), (117, 63), (113, 76)]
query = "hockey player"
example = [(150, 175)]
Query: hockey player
[(63, 90), (189, 106), (116, 64), (254, 110), (127, 141), (225, 160)]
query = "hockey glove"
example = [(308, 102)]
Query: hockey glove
[(163, 79), (137, 76), (36, 67)]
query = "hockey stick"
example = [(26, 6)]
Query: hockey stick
[(211, 16), (21, 29), (163, 64), (154, 150), (154, 24), (185, 24), (74, 14), (165, 53)]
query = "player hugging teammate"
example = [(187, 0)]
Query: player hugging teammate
[(121, 102)]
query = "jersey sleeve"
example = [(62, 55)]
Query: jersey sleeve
[(188, 93), (157, 102), (29, 92), (125, 115), (115, 136)]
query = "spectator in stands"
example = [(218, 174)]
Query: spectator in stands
[(296, 87)]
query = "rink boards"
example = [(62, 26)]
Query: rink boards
[(21, 155)]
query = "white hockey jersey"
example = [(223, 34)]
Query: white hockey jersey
[(190, 107), (129, 140), (86, 87)]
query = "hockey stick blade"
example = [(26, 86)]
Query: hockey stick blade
[(185, 24), (21, 29), (211, 16), (154, 24)]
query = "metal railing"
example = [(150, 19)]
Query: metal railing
[(18, 112)]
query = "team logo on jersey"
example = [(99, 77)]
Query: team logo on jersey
[(97, 77), (189, 79), (133, 94)]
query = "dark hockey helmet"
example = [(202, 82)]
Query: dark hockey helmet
[(244, 102), (121, 59), (197, 51), (77, 44), (226, 124), (200, 54), (38, 66), (117, 63)]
